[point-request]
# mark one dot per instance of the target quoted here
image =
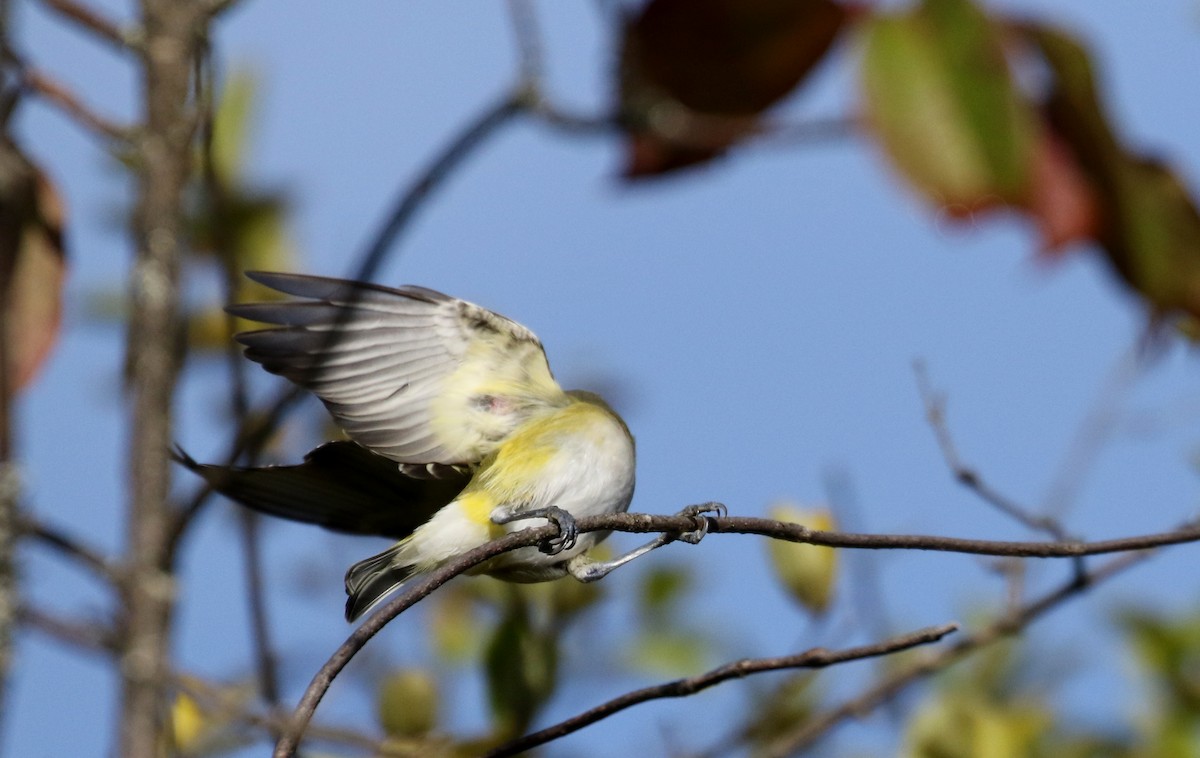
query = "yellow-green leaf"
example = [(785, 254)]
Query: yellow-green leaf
[(408, 703), (941, 99), (807, 572)]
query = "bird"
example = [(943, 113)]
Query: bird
[(457, 434)]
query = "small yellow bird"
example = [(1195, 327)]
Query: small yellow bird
[(459, 433)]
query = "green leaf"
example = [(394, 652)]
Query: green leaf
[(521, 666), (945, 108), (669, 652), (660, 589)]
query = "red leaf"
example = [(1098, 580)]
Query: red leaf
[(1063, 203), (32, 265), (695, 75)]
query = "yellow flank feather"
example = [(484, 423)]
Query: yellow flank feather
[(478, 506)]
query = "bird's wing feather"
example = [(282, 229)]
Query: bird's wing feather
[(414, 375), (340, 486)]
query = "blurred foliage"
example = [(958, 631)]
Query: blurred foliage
[(232, 224), (696, 75), (1166, 653), (667, 642), (408, 703), (205, 718), (945, 107), (32, 263), (807, 572)]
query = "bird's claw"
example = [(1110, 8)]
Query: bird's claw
[(699, 515), (568, 532)]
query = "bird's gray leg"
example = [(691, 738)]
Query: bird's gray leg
[(587, 569), (567, 531)]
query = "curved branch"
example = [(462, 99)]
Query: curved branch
[(810, 659), (60, 96), (290, 739), (644, 523), (95, 24), (935, 414)]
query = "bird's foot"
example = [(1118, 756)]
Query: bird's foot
[(568, 532), (699, 515)]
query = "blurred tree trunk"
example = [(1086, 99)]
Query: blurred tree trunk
[(171, 33)]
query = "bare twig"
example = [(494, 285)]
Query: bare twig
[(10, 590), (935, 412), (85, 635), (70, 547), (66, 101), (529, 44), (891, 685), (810, 659), (783, 530), (1093, 432), (450, 157), (264, 651), (94, 22)]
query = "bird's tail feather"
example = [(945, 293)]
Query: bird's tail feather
[(372, 579), (341, 486)]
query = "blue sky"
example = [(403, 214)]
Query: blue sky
[(760, 318)]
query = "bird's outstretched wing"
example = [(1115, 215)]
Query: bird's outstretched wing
[(414, 375)]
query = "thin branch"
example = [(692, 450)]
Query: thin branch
[(85, 635), (90, 558), (418, 192), (644, 523), (217, 194), (812, 659), (95, 23), (529, 44), (66, 101), (703, 133), (891, 685), (935, 412), (10, 588), (266, 661), (218, 7), (790, 532), (1093, 432), (290, 741)]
